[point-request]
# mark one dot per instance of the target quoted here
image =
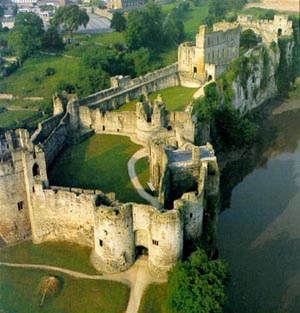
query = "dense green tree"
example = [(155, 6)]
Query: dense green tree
[(173, 29), (26, 36), (52, 40), (1, 11), (248, 39), (197, 285), (91, 80), (118, 22), (141, 59), (144, 28), (70, 17)]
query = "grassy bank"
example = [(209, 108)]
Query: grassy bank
[(30, 79), (97, 163), (61, 254), (154, 299), (18, 290)]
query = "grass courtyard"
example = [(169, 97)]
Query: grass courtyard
[(18, 294), (99, 162), (175, 98)]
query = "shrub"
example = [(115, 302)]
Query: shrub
[(49, 71)]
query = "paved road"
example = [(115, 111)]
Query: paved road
[(96, 24), (134, 179), (138, 277)]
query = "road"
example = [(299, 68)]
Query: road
[(96, 24)]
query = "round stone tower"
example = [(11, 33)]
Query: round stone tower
[(114, 249)]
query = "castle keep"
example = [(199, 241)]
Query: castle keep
[(183, 173)]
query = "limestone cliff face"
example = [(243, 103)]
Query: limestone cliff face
[(256, 81)]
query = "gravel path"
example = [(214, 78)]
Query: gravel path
[(134, 179)]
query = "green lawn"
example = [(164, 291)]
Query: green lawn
[(61, 254), (30, 79), (154, 299), (193, 19), (176, 99), (100, 162), (18, 294), (143, 172), (9, 119), (105, 39)]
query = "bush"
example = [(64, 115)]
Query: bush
[(50, 71), (249, 39), (65, 86), (197, 285)]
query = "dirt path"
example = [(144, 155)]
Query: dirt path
[(278, 5), (134, 179), (138, 277)]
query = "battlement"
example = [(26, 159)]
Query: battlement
[(124, 89)]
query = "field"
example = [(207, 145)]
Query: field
[(30, 79), (278, 5), (154, 299), (100, 162), (175, 98), (18, 294), (61, 254), (9, 119)]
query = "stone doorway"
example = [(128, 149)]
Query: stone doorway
[(140, 251)]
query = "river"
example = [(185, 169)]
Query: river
[(259, 231)]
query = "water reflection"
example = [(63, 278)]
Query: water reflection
[(259, 232)]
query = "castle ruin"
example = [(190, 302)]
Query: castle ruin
[(181, 172)]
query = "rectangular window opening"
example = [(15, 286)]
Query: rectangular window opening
[(100, 243), (155, 242), (20, 205)]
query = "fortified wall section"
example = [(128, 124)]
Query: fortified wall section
[(149, 119), (120, 230), (209, 56), (21, 164), (63, 214), (269, 30), (54, 133), (123, 89)]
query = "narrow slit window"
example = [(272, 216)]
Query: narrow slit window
[(20, 205)]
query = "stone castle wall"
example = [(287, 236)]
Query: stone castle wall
[(124, 89), (119, 230), (209, 56), (63, 214), (14, 221)]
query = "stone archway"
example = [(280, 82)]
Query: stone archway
[(36, 170), (141, 238)]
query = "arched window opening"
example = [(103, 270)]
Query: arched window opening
[(35, 170)]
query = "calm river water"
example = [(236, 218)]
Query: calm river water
[(259, 231)]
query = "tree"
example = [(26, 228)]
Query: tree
[(52, 40), (144, 28), (141, 59), (248, 39), (70, 17), (49, 285), (26, 36), (197, 285), (118, 22)]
